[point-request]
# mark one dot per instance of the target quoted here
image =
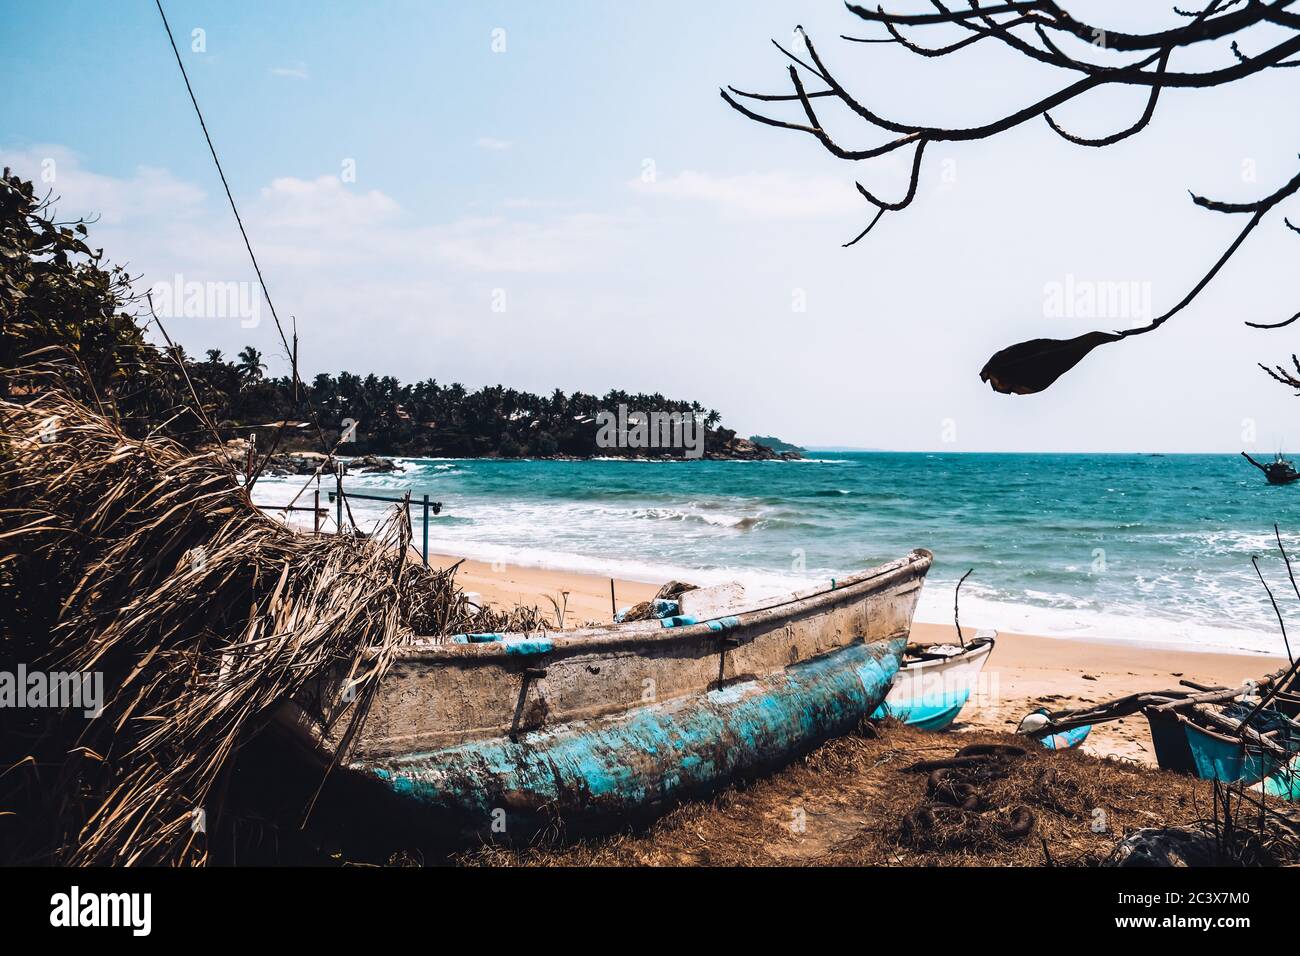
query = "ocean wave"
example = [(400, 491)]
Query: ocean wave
[(1064, 616), (1172, 568), (739, 522), (759, 584)]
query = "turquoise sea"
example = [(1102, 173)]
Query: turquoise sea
[(1155, 549)]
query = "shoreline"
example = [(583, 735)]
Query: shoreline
[(935, 607), (1024, 672)]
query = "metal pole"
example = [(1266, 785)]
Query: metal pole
[(315, 513), (426, 531), (613, 605), (338, 480)]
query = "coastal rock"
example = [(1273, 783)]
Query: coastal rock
[(372, 464), (299, 463), (725, 445), (716, 601)]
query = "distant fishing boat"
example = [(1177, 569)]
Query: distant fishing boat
[(595, 728), (936, 681), (1279, 471)]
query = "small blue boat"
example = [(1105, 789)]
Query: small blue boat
[(1037, 724), (1066, 740), (936, 681), (1217, 755), (1283, 782)]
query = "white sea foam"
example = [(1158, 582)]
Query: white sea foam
[(1176, 578), (1140, 626)]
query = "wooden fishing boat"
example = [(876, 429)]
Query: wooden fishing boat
[(1219, 756), (936, 681), (1213, 746), (1212, 732), (1283, 782), (1169, 738), (492, 736), (1279, 471)]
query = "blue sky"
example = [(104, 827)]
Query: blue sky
[(641, 235)]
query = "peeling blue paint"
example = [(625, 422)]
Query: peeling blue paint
[(680, 620), (654, 755), (523, 646), (477, 638), (724, 624)]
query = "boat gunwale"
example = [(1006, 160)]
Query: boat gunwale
[(614, 637), (975, 647)]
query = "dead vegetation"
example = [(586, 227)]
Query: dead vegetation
[(863, 801)]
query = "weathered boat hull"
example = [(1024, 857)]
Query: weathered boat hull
[(1173, 752), (602, 774), (1220, 757), (500, 735), (1284, 782), (1184, 746), (929, 694)]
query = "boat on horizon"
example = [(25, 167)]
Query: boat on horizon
[(493, 737), (1279, 471)]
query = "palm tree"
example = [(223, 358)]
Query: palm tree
[(214, 356), (251, 366)]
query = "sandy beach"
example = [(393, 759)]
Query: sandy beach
[(1024, 672)]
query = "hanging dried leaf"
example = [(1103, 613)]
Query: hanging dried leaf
[(1029, 367)]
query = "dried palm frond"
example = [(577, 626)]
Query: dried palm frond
[(137, 560)]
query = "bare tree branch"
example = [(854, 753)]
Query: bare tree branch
[(1032, 29)]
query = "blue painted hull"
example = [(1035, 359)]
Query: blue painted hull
[(930, 693), (926, 714), (1220, 758), (1066, 740), (1285, 782), (600, 774)]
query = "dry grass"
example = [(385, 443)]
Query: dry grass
[(133, 558), (854, 802)]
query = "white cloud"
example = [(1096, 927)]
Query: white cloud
[(325, 222), (312, 233), (500, 244), (772, 195), (323, 206), (149, 194), (297, 71)]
